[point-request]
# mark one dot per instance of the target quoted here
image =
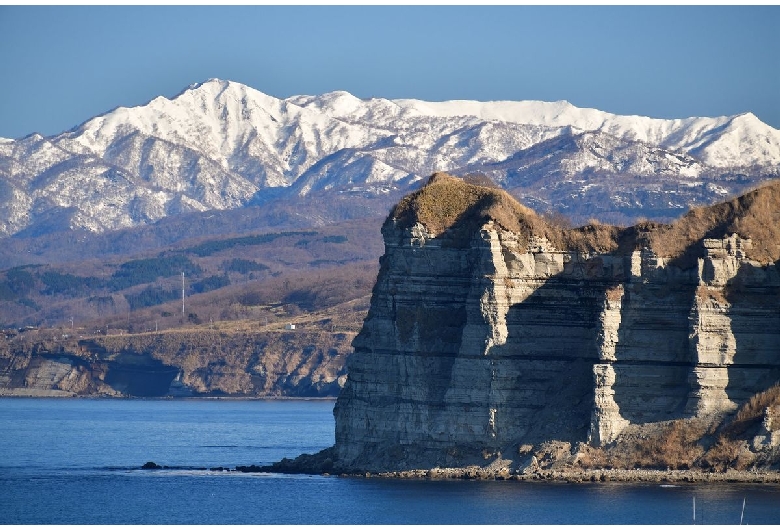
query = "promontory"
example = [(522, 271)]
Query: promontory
[(504, 343)]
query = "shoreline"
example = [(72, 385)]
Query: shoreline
[(590, 476), (322, 464), (66, 395), (571, 476), (675, 478)]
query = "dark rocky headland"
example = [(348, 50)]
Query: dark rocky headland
[(501, 344)]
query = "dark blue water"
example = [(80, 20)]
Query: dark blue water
[(78, 462)]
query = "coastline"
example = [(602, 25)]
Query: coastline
[(569, 476), (588, 476), (322, 463), (63, 394)]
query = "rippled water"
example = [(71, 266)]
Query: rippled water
[(78, 462)]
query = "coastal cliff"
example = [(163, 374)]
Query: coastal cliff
[(180, 363), (497, 338)]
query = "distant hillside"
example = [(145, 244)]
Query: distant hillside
[(120, 326), (142, 290)]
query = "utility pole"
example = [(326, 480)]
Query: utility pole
[(182, 294)]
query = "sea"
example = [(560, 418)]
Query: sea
[(78, 461)]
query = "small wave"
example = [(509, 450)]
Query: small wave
[(116, 468), (668, 486), (161, 468), (245, 447)]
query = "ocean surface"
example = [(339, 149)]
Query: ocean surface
[(78, 461)]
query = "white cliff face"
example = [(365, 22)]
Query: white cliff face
[(734, 326), (219, 143), (606, 420), (469, 352)]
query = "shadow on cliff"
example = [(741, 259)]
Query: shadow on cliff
[(755, 325), (553, 343), (546, 364), (653, 353)]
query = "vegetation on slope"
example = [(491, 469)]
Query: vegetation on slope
[(234, 341), (754, 215), (458, 208), (143, 291), (447, 203), (699, 444)]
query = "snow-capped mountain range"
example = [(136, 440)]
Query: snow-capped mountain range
[(222, 145)]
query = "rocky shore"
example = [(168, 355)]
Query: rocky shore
[(569, 476), (565, 476), (322, 464), (593, 475)]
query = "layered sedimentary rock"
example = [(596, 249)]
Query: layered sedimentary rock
[(490, 330)]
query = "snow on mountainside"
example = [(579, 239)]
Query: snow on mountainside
[(681, 134), (222, 145)]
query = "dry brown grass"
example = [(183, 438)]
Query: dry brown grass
[(589, 457), (448, 203), (709, 293), (755, 215), (558, 220), (731, 449), (726, 454), (690, 443), (756, 405), (675, 445), (590, 238), (752, 412)]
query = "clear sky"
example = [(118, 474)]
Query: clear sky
[(62, 65)]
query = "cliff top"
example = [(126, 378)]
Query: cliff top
[(448, 204), (754, 215)]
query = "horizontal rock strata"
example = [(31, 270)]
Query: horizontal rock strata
[(476, 348)]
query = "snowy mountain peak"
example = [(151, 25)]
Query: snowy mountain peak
[(341, 102), (208, 84), (750, 121)]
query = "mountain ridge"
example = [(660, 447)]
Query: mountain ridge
[(221, 145)]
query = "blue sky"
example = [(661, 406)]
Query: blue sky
[(65, 64)]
